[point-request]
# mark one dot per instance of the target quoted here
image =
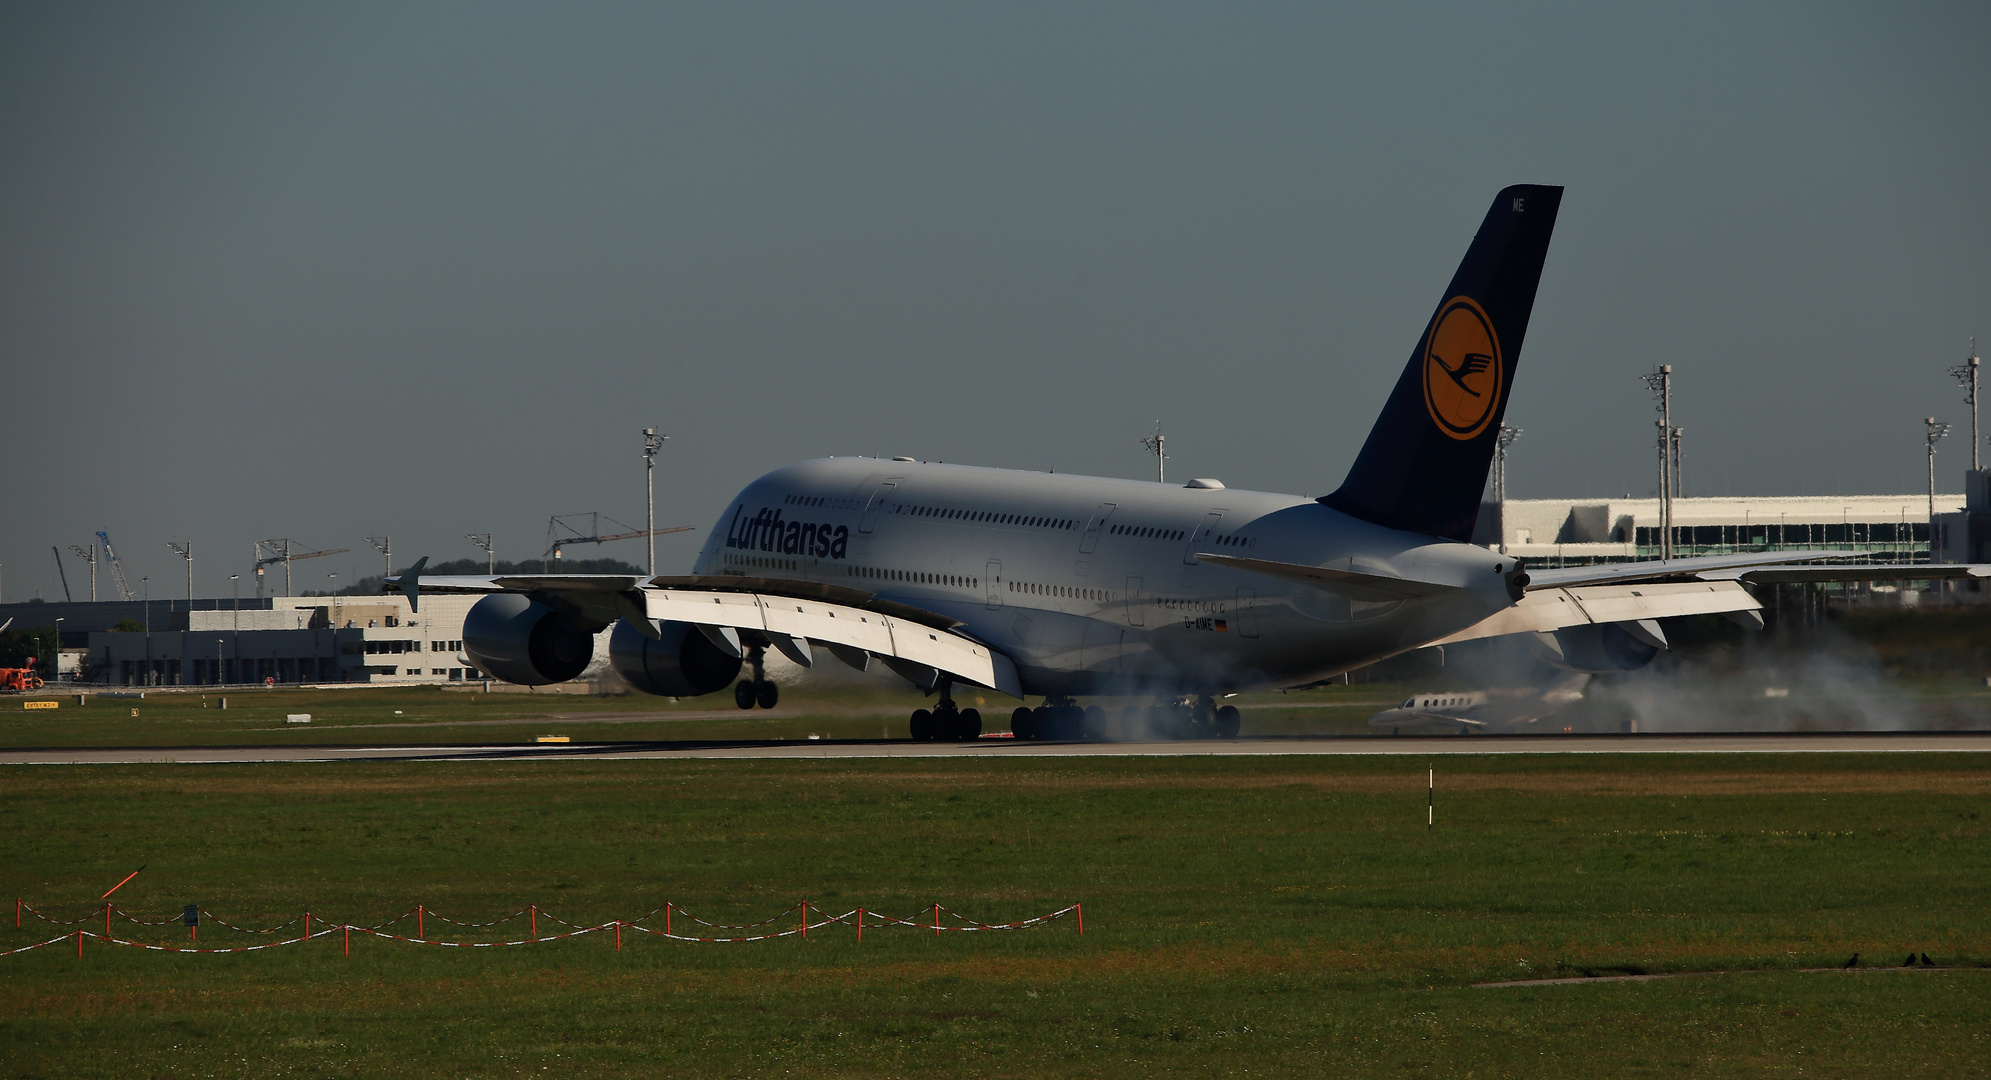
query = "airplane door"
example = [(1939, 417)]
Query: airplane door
[(1201, 537), (1247, 615), (992, 577), (1091, 538), (1135, 614), (878, 499)]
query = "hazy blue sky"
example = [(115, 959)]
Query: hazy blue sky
[(325, 270)]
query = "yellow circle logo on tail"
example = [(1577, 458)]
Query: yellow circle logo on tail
[(1462, 370)]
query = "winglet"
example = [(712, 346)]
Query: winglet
[(411, 583)]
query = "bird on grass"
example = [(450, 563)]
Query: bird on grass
[(1854, 962)]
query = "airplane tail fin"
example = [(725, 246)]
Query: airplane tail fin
[(1424, 466)]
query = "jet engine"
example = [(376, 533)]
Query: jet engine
[(520, 640), (683, 663), (1600, 648)]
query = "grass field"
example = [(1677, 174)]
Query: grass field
[(1282, 916)]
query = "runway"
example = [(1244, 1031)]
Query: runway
[(1415, 746)]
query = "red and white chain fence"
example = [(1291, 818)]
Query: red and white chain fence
[(797, 921)]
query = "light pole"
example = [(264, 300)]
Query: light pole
[(1157, 445), (652, 442), (483, 540), (187, 553), (1966, 376), (1934, 430), (1661, 384), (384, 545), (55, 660)]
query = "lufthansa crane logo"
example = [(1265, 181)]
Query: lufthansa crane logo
[(1462, 371)]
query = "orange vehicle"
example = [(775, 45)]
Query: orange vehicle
[(20, 678)]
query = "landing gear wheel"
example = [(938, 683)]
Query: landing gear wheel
[(743, 694), (946, 725), (922, 725), (1228, 722), (769, 694), (1023, 723), (1092, 727), (970, 725)]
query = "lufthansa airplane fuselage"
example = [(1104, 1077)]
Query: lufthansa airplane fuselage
[(1093, 585)]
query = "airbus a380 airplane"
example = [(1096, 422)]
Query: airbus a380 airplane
[(1064, 587)]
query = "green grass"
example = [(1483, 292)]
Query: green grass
[(1267, 915)]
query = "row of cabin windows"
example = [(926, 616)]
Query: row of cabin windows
[(821, 501), (1429, 703), (1149, 532), (1069, 592), (873, 573), (989, 516)]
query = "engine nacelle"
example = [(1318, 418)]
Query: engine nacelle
[(1598, 649), (684, 663), (520, 640)]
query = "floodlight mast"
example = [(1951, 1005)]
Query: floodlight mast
[(186, 551), (385, 545), (1934, 430), (1157, 445), (483, 540), (1661, 384), (652, 443), (88, 555), (1966, 376)]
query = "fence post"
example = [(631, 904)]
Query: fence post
[(349, 939), (936, 920), (79, 943), (860, 924), (307, 928), (618, 935), (535, 920), (17, 913), (667, 919), (1080, 908), (805, 918), (107, 919), (420, 930)]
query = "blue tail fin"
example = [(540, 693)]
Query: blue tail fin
[(1424, 466)]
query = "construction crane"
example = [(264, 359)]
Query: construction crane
[(564, 524), (117, 568), (280, 552), (60, 572)]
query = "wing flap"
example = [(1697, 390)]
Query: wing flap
[(847, 627), (1553, 609)]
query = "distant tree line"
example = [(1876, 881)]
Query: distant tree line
[(17, 646)]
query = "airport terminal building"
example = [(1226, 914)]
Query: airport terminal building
[(285, 639), (1886, 528)]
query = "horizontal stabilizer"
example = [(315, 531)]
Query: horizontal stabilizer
[(1351, 583)]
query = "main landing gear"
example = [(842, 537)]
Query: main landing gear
[(945, 722), (1061, 719), (757, 690)]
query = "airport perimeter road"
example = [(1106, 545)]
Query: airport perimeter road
[(1878, 742)]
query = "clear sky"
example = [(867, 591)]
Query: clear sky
[(330, 270)]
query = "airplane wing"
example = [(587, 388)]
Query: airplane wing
[(851, 623), (1552, 609), (1353, 583), (1759, 566)]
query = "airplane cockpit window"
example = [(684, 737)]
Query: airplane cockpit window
[(1408, 703)]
